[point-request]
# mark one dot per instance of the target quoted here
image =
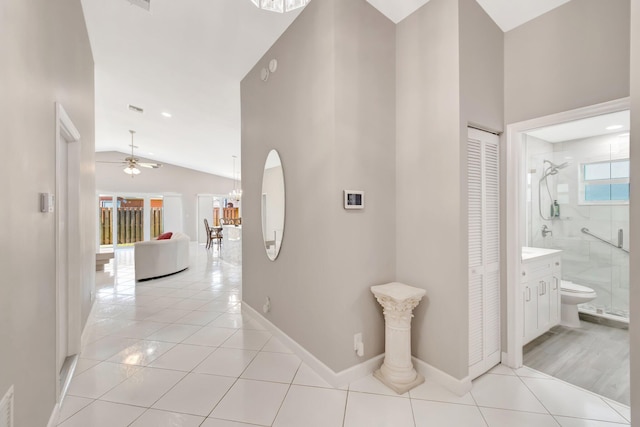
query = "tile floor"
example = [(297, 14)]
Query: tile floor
[(594, 357), (178, 351)]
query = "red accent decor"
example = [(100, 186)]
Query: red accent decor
[(165, 236)]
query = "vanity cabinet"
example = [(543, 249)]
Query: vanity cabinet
[(540, 285)]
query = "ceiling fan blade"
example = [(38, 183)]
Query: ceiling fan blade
[(149, 165), (104, 161)]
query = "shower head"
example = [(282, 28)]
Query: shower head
[(553, 168), (556, 167)]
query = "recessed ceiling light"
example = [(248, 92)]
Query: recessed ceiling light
[(614, 127), (168, 115), (150, 153), (622, 135)]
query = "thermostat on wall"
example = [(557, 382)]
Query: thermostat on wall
[(353, 199)]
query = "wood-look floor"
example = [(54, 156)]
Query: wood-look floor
[(594, 357)]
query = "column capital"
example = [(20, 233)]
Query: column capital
[(397, 296)]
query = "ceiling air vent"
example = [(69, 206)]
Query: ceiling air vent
[(136, 109), (145, 4)]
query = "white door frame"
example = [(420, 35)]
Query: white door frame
[(515, 205), (68, 141)]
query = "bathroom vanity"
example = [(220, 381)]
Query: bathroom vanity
[(541, 272)]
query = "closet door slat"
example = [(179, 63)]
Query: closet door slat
[(483, 180)]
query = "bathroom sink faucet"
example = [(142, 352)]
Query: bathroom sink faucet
[(546, 230)]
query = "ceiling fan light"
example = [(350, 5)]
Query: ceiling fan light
[(132, 170)]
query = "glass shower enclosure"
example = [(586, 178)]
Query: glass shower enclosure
[(577, 200)]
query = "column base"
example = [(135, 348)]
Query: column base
[(400, 388)]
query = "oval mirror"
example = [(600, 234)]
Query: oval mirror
[(272, 205)]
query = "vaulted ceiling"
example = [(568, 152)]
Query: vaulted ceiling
[(186, 59)]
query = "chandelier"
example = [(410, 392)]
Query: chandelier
[(236, 193), (280, 5)]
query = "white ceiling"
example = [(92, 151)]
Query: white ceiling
[(188, 57), (508, 14), (578, 129), (184, 57)]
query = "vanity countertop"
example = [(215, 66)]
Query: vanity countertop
[(530, 254)]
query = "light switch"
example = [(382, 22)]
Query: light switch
[(47, 202)]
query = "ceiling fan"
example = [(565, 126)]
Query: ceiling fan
[(131, 163)]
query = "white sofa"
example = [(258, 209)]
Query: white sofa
[(156, 258)]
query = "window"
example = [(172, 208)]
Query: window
[(605, 182)]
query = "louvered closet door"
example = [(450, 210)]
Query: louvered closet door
[(484, 251)]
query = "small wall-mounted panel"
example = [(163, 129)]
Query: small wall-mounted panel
[(47, 202), (353, 199)]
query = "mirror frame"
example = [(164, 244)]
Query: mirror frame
[(278, 248)]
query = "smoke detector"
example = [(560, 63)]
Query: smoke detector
[(145, 4)]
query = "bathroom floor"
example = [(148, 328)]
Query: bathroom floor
[(179, 351), (594, 357)]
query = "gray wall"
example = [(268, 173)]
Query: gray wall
[(168, 179), (634, 329), (449, 74), (574, 56), (548, 69), (428, 182), (481, 71), (45, 57), (329, 139)]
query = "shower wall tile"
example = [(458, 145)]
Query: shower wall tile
[(621, 213), (585, 259), (620, 259), (604, 213)]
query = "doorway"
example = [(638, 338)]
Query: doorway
[(210, 207), (68, 244), (567, 200)]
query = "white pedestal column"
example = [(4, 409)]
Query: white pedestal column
[(398, 301)]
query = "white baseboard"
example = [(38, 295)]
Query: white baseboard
[(335, 379), (55, 414), (454, 385), (506, 361), (343, 378), (83, 337)]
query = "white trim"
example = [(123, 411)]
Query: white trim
[(335, 379), (55, 414), (454, 385), (343, 378), (67, 134), (515, 232), (83, 336), (67, 128), (67, 382)]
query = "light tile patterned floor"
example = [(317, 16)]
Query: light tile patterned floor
[(178, 351)]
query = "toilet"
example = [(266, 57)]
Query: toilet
[(571, 295)]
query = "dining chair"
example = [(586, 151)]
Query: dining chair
[(210, 233)]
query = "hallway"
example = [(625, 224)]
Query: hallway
[(177, 351)]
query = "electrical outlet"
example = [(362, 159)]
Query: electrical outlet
[(267, 306), (357, 338)]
